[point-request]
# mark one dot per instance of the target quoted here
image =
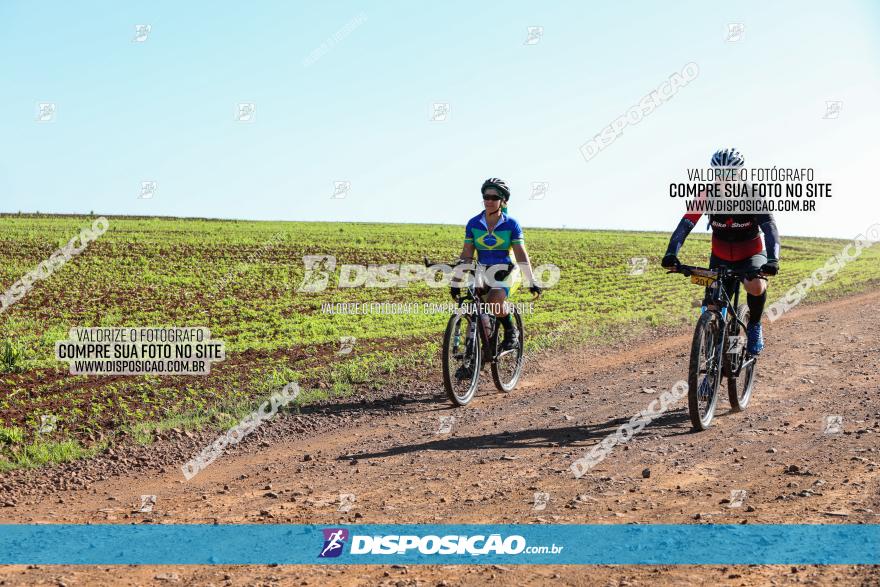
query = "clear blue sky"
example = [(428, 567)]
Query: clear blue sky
[(164, 109)]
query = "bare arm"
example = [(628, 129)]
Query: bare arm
[(525, 265), (467, 255), (467, 252)]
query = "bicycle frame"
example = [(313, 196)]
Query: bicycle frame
[(722, 303), (472, 297)]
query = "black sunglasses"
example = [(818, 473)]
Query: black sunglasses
[(492, 198)]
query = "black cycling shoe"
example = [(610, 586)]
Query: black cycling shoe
[(510, 340)]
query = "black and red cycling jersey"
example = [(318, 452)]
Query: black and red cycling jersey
[(735, 237)]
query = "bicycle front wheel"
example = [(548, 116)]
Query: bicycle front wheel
[(704, 375), (461, 359)]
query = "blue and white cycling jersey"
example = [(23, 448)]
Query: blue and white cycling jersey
[(493, 247)]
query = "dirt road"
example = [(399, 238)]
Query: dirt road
[(792, 457)]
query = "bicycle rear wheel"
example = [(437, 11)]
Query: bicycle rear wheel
[(508, 365), (739, 388), (461, 360), (704, 374)]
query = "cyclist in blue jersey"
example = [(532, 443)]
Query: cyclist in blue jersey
[(492, 234)]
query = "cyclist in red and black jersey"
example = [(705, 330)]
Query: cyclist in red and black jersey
[(737, 243)]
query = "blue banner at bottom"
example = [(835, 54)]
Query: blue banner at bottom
[(287, 544)]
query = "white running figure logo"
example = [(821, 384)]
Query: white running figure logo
[(334, 542)]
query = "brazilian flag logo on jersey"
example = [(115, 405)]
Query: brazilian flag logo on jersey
[(491, 241)]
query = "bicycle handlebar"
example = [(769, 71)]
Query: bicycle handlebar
[(471, 269), (688, 270)]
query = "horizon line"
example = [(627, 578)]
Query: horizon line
[(219, 219)]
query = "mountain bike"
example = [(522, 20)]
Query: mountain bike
[(719, 346), (473, 339)]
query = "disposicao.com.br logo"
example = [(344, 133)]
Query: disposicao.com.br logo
[(392, 544), (321, 271)]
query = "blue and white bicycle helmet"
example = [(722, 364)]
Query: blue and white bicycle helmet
[(728, 158)]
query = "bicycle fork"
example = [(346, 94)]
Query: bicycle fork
[(714, 363), (469, 340)]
